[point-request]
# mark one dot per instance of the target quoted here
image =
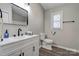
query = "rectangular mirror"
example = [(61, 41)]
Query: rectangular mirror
[(19, 15), (14, 14)]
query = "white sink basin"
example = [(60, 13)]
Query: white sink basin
[(15, 39)]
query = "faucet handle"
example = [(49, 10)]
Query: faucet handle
[(22, 34)]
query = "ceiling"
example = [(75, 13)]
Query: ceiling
[(51, 5)]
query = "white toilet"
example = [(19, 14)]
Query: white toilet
[(46, 43)]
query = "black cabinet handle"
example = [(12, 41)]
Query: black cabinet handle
[(33, 48), (1, 13), (23, 54), (27, 20), (19, 54)]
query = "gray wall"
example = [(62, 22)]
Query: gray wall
[(35, 21), (69, 35), (36, 18)]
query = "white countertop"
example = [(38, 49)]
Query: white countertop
[(15, 39)]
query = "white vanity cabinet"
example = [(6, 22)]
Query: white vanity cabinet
[(26, 47)]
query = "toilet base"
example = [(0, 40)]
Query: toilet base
[(49, 47)]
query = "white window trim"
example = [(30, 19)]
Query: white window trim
[(61, 20)]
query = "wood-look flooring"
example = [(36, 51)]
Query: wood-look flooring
[(56, 52)]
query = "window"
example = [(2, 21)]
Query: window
[(56, 20)]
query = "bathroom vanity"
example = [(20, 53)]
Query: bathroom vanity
[(27, 45)]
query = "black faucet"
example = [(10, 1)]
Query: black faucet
[(19, 31)]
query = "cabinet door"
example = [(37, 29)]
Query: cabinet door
[(27, 50), (36, 48), (15, 53)]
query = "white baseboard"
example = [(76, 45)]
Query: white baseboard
[(70, 49)]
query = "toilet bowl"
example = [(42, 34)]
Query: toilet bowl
[(46, 43)]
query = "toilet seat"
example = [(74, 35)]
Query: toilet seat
[(48, 41)]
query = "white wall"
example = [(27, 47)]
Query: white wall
[(69, 35), (35, 21)]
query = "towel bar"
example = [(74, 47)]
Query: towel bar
[(68, 21)]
